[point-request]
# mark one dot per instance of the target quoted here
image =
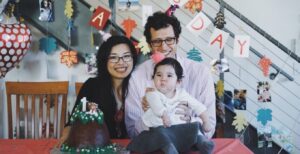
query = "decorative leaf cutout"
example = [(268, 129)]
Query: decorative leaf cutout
[(194, 6), (220, 88), (194, 54), (48, 44), (264, 115), (69, 58), (69, 9), (129, 25), (265, 63), (239, 122)]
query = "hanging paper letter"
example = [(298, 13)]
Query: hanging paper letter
[(218, 39), (99, 18), (241, 46), (198, 24)]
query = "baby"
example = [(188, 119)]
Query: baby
[(167, 95)]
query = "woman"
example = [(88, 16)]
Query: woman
[(116, 59)]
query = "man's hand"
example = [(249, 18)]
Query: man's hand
[(185, 111), (145, 104)]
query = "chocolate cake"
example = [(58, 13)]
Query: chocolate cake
[(88, 133)]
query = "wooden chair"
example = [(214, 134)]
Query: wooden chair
[(44, 95), (78, 86)]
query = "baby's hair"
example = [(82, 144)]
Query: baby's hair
[(171, 62)]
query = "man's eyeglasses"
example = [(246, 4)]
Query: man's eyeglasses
[(116, 59), (158, 42)]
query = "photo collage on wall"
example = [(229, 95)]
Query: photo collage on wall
[(263, 92), (239, 99), (264, 136), (264, 131), (46, 11)]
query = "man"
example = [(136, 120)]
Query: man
[(162, 34)]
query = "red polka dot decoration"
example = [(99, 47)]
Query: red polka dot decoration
[(15, 40)]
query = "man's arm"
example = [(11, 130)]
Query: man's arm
[(207, 97)]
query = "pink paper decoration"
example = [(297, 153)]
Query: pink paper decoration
[(265, 63)]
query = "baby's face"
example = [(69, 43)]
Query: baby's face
[(165, 79)]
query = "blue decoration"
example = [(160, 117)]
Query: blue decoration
[(194, 54), (264, 115), (48, 44), (70, 27)]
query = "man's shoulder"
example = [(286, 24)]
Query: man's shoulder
[(143, 68), (194, 66)]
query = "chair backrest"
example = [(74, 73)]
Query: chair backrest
[(38, 101), (78, 86)]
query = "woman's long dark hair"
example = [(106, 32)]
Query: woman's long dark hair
[(102, 60)]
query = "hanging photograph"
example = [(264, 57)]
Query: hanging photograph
[(263, 92), (264, 133), (239, 99), (128, 5), (46, 10)]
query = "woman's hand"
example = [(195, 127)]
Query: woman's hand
[(63, 137), (185, 111)]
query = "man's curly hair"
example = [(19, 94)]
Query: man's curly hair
[(161, 20)]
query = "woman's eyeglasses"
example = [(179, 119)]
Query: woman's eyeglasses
[(116, 59), (158, 42)]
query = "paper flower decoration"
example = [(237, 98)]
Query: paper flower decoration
[(265, 63), (219, 66), (104, 35), (194, 54), (69, 9), (264, 115), (48, 44), (193, 6), (239, 122), (69, 58), (143, 45), (129, 25), (157, 57), (220, 88)]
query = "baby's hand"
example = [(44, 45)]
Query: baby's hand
[(166, 119), (148, 89)]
